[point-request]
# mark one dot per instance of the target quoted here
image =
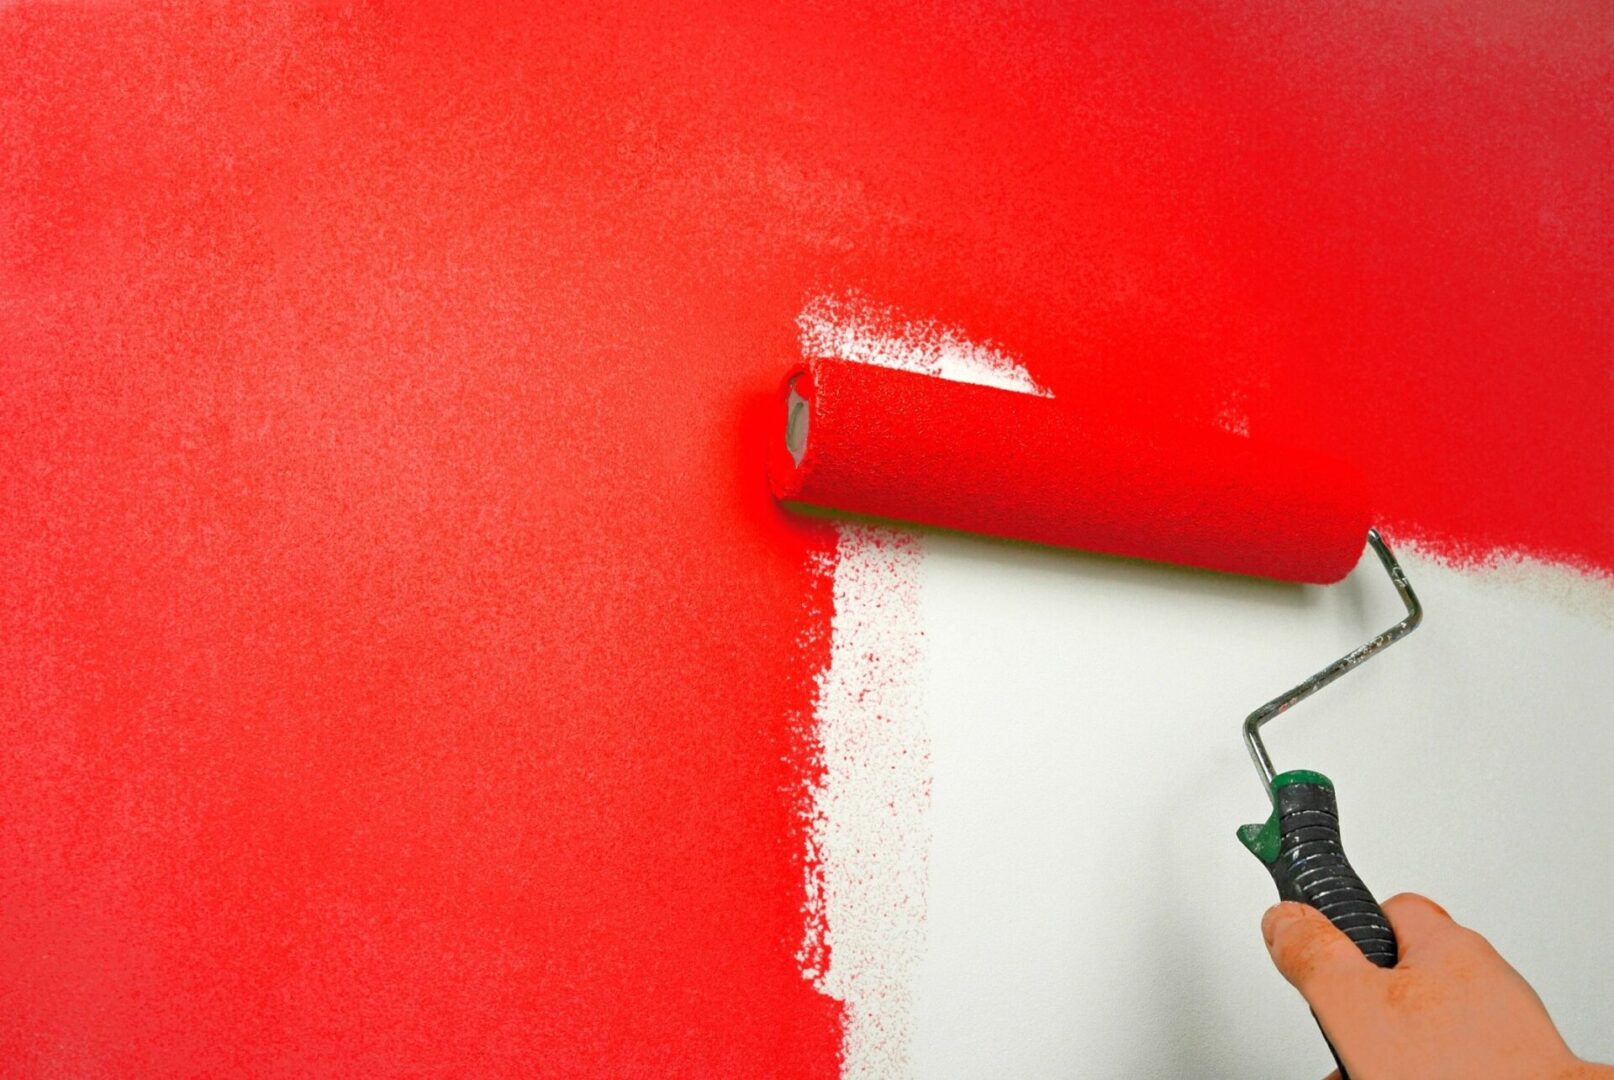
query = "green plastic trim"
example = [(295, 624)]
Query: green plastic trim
[(1300, 776), (1262, 838)]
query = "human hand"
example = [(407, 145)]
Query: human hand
[(1451, 1007)]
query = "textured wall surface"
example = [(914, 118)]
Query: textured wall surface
[(402, 667)]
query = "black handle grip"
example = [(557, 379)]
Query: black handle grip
[(1311, 867), (1300, 845)]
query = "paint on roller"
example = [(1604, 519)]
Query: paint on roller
[(851, 327), (868, 842)]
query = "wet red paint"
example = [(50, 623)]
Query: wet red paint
[(399, 656)]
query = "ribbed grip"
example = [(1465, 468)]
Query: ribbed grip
[(1311, 867)]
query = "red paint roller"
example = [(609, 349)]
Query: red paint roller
[(910, 447)]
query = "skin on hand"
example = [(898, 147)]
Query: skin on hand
[(1452, 1007)]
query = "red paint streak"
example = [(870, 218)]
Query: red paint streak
[(396, 664)]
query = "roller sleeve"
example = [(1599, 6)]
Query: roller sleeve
[(915, 448)]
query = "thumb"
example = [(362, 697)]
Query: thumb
[(1311, 952)]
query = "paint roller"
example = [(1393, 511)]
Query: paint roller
[(908, 447)]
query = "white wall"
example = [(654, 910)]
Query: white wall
[(1084, 908), (1033, 771)]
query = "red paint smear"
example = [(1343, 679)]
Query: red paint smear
[(397, 663), (911, 447)]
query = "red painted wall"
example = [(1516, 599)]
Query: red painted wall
[(402, 668)]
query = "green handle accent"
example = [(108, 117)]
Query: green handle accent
[(1264, 837), (1299, 776)]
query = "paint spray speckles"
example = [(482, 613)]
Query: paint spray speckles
[(868, 831)]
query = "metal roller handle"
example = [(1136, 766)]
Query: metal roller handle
[(1351, 660), (1300, 842)]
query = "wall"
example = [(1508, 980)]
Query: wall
[(1084, 910), (404, 670), (1088, 911)]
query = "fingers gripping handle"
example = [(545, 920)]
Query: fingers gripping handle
[(1300, 845)]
